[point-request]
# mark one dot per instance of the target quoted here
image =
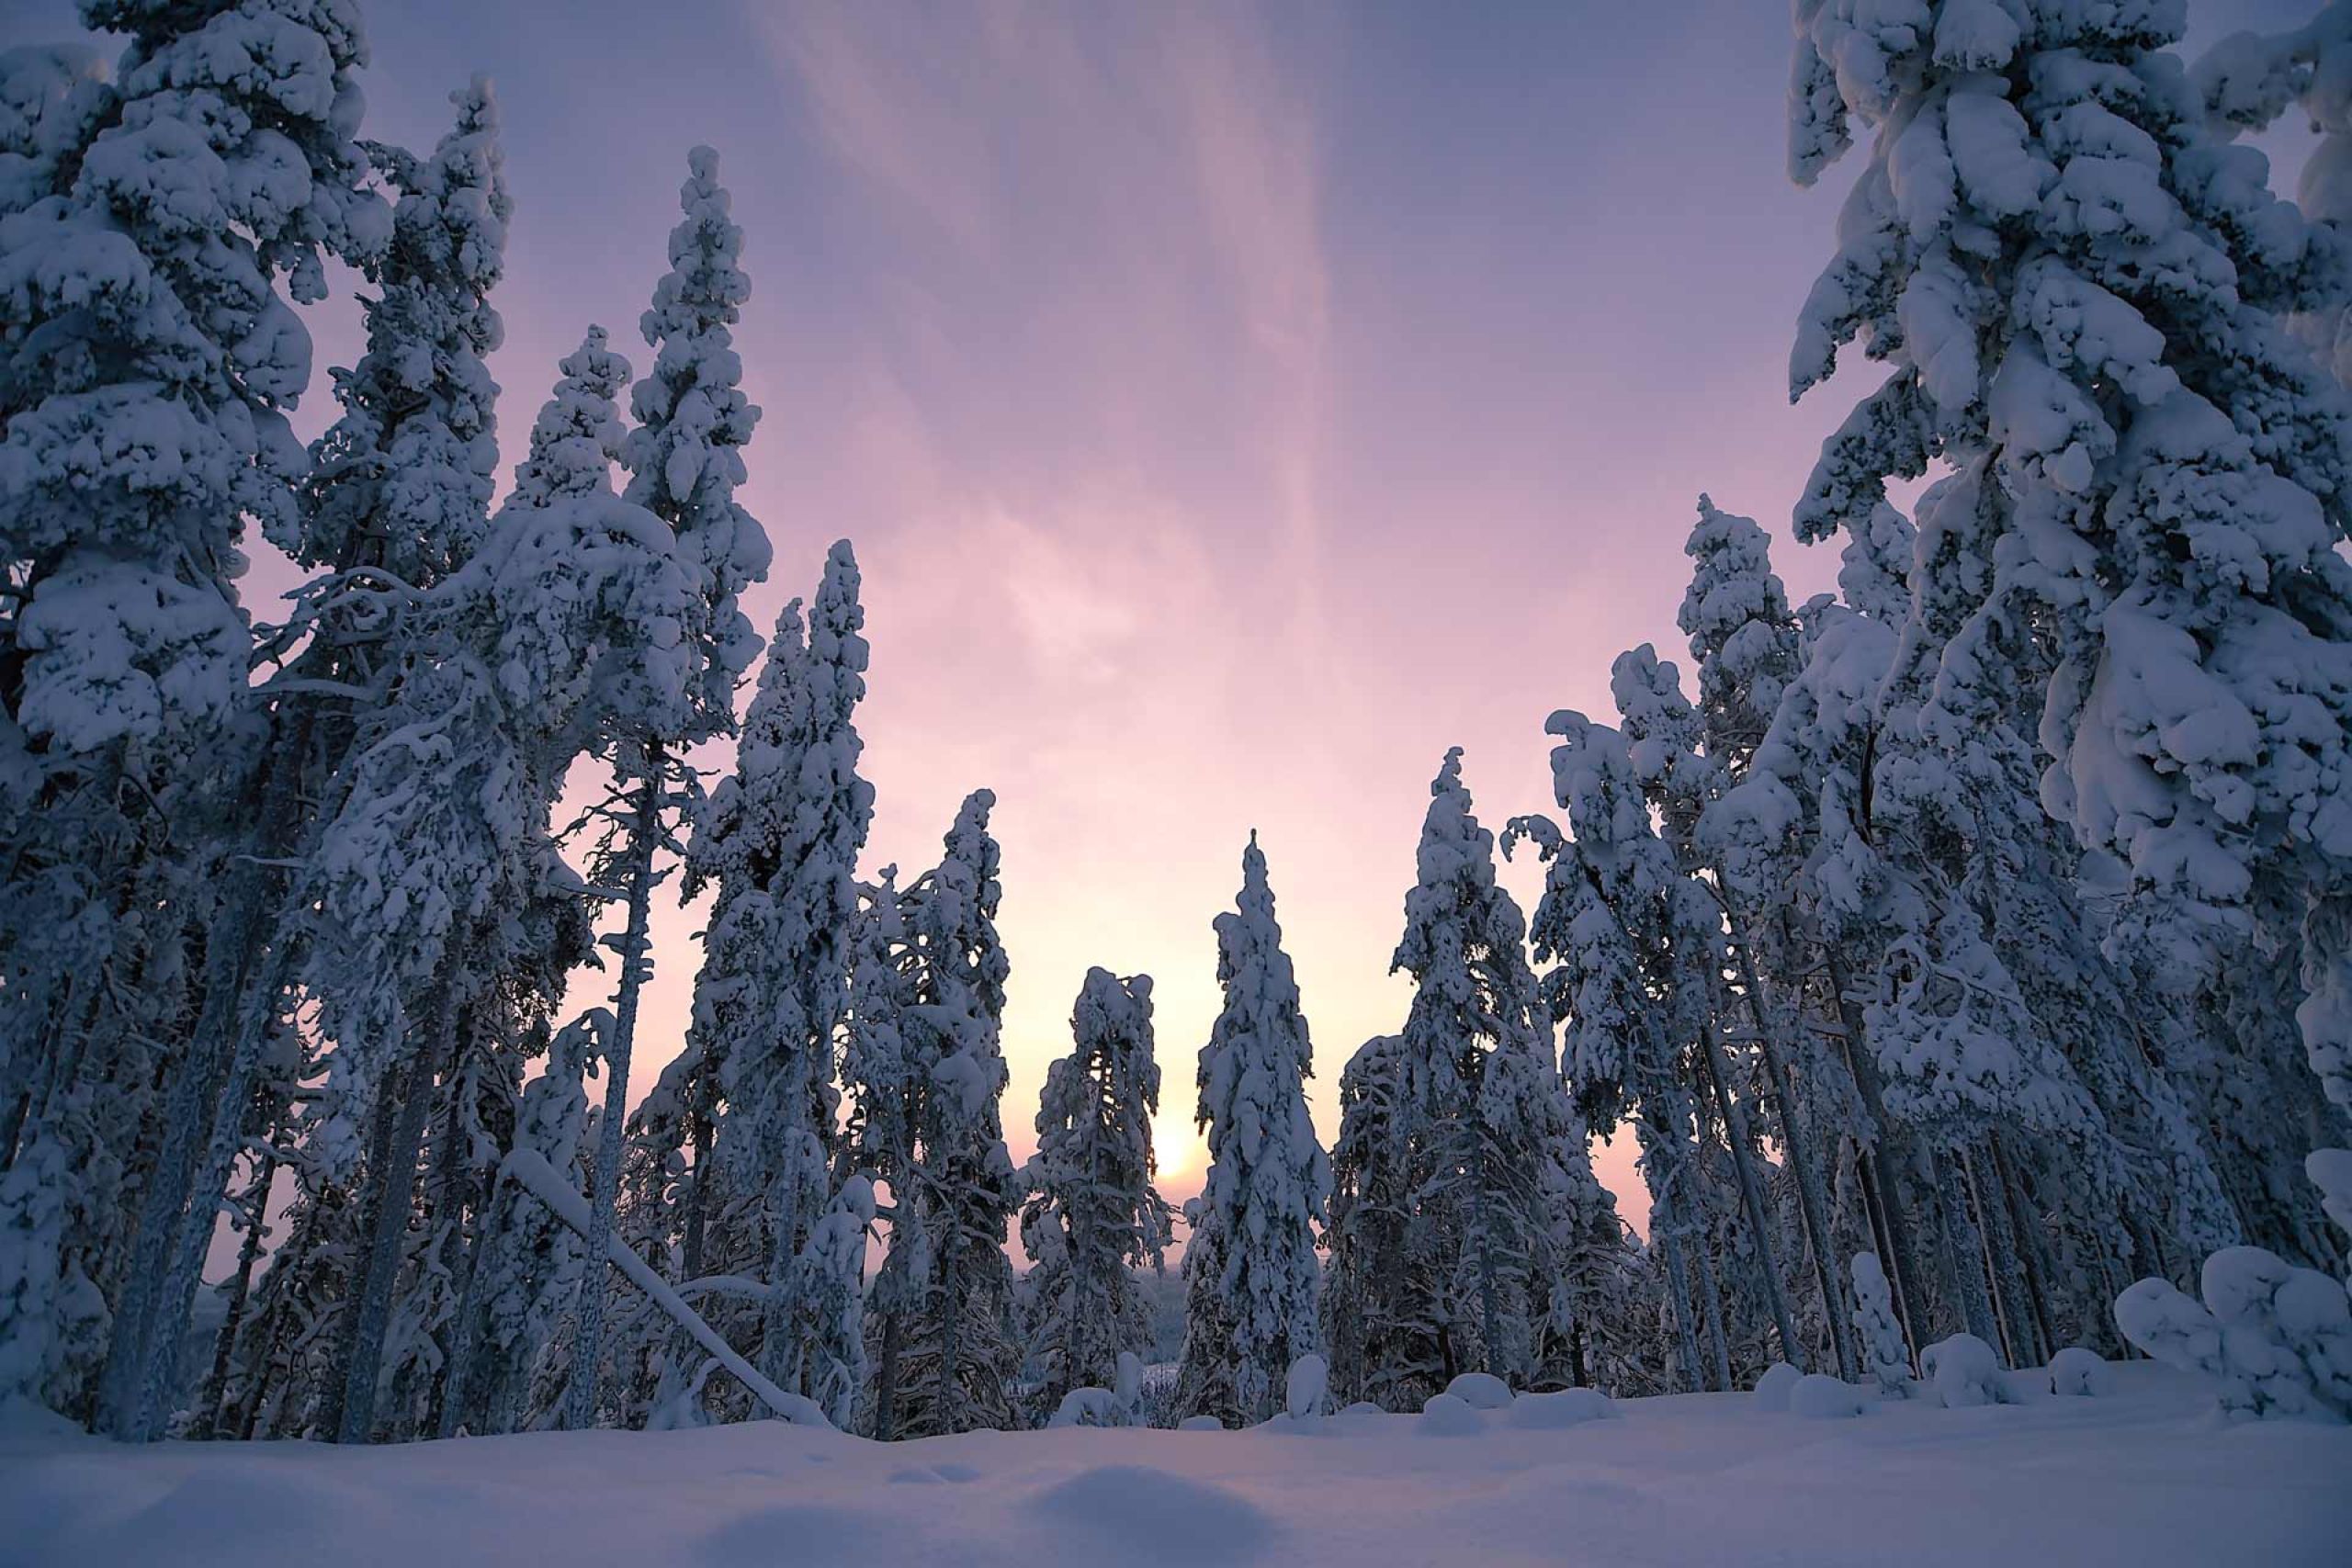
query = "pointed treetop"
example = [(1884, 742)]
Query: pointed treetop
[(577, 436)]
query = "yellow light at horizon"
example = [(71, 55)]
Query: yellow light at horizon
[(1179, 1150)]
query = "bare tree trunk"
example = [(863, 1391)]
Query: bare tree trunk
[(1710, 1306), (1895, 1140), (1796, 1147), (588, 1343), (1752, 1195), (886, 1381), (224, 1344), (1964, 1249), (392, 1178)]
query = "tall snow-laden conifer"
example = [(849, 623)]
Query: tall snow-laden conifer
[(684, 460), (1478, 1119), (1250, 1273), (2081, 292), (1374, 1327), (552, 640), (778, 839), (887, 1085), (396, 501), (156, 237), (957, 1353), (1093, 1214), (1609, 919)]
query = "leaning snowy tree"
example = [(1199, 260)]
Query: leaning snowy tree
[(1610, 919), (548, 639), (778, 840), (397, 500), (684, 460), (147, 228), (1250, 1273), (2081, 292), (1092, 1215)]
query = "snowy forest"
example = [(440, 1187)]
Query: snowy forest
[(1967, 952)]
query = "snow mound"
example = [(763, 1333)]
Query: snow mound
[(1773, 1388), (1448, 1416), (1567, 1407), (1147, 1516), (1200, 1423), (1481, 1391), (1089, 1407), (2076, 1370), (1822, 1397), (1965, 1371)]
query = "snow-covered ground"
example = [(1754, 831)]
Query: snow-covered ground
[(2145, 1477)]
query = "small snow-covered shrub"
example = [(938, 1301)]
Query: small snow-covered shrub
[(1309, 1382), (1447, 1416), (1822, 1397), (2076, 1370), (1200, 1423), (1363, 1407), (2276, 1338), (1965, 1371), (1874, 1320), (1480, 1391), (1773, 1388), (1564, 1407), (1091, 1407)]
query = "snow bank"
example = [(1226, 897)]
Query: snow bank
[(1567, 1407), (1481, 1391), (1448, 1416), (1773, 1388), (2142, 1477), (1823, 1397)]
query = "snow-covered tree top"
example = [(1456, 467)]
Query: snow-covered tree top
[(794, 805), (402, 481), (685, 456), (577, 437), (1742, 636)]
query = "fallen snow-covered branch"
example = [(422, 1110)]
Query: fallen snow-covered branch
[(529, 1169)]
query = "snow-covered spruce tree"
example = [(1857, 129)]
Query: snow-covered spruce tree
[(1964, 886), (1376, 1332), (154, 239), (2081, 290), (530, 1264), (1781, 838), (1882, 1335), (956, 1353), (2248, 80), (556, 636), (778, 840), (1662, 734), (1483, 1090), (887, 1088), (1250, 1273), (1093, 1214), (684, 460), (1609, 920), (396, 499)]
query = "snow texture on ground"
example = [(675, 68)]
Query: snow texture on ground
[(2147, 1476)]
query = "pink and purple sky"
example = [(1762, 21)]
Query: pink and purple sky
[(1233, 408)]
